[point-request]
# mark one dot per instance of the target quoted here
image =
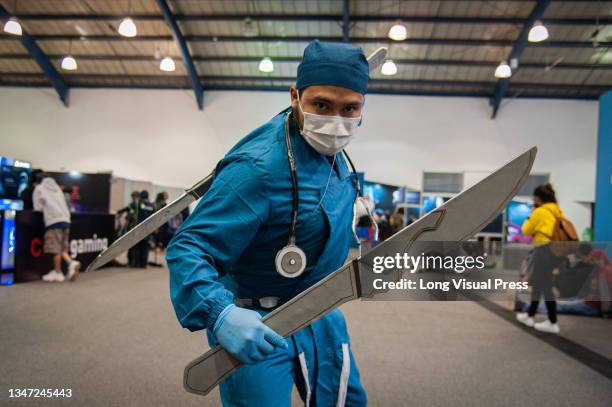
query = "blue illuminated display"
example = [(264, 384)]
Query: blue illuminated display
[(8, 241)]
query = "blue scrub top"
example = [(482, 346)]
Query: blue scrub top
[(227, 247)]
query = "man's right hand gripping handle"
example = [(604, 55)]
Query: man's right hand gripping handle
[(241, 332)]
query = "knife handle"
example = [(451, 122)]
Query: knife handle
[(206, 372)]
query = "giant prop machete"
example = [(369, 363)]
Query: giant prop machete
[(153, 222), (457, 220)]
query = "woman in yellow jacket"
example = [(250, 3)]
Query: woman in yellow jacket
[(540, 225)]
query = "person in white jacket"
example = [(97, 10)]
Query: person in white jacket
[(49, 199)]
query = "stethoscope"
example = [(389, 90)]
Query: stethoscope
[(291, 259)]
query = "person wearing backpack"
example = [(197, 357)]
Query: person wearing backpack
[(546, 224)]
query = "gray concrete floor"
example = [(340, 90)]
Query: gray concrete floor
[(112, 338)]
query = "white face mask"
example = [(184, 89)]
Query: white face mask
[(328, 134)]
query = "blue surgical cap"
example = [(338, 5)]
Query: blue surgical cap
[(333, 64)]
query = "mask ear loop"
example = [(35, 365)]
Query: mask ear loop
[(331, 170)]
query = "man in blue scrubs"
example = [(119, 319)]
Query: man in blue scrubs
[(223, 276)]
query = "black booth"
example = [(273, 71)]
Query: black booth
[(22, 230), (90, 233)]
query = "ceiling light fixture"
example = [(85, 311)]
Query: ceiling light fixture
[(503, 70), (127, 28), (69, 63), (389, 68), (538, 32), (12, 26), (398, 32), (266, 65), (167, 65)]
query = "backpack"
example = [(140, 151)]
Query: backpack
[(563, 231)]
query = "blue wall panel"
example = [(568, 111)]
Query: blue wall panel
[(603, 186)]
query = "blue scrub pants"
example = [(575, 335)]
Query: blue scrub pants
[(320, 382)]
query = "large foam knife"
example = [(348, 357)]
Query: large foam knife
[(153, 222), (458, 219)]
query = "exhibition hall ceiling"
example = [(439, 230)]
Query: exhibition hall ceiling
[(451, 47)]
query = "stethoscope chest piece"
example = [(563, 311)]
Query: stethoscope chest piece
[(290, 261)]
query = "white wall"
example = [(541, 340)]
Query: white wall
[(161, 136)]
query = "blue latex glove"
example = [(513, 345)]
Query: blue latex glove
[(241, 332)]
